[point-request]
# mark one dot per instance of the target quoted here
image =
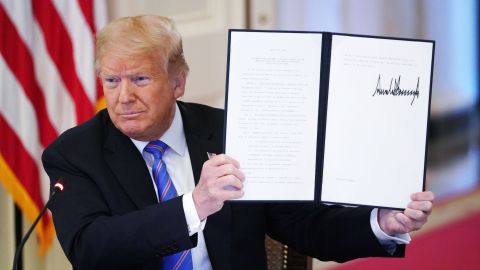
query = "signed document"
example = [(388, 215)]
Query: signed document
[(376, 127), (328, 117)]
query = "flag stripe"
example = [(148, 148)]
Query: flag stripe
[(60, 106), (24, 124), (100, 13), (17, 158), (82, 43), (18, 58), (87, 9), (60, 48), (20, 13)]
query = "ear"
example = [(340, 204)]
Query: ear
[(179, 81)]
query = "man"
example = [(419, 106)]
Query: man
[(124, 168)]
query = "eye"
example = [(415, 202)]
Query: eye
[(140, 80), (111, 81)]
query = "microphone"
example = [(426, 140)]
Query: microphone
[(58, 187)]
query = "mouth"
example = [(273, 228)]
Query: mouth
[(130, 114)]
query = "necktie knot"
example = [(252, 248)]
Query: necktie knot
[(156, 148)]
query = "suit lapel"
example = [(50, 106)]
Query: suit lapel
[(202, 138), (129, 167)]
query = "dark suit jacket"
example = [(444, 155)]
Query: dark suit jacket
[(108, 216)]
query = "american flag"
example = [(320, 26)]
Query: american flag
[(47, 85)]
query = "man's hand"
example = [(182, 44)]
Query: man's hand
[(213, 189), (411, 219)]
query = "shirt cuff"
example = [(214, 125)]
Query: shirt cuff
[(389, 242), (194, 223)]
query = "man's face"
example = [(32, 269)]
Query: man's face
[(140, 95)]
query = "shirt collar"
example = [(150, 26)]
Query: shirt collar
[(174, 136)]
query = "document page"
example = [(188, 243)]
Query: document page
[(272, 112), (378, 103)]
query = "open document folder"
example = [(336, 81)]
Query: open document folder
[(332, 117)]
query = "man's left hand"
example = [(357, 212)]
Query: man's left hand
[(411, 219)]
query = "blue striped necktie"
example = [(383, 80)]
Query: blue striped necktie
[(166, 191)]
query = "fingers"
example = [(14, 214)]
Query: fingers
[(395, 222), (420, 206), (409, 224), (218, 190), (220, 180), (221, 159), (227, 182), (424, 206), (228, 169), (422, 196), (415, 215), (222, 165), (230, 181)]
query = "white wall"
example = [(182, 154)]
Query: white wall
[(452, 24)]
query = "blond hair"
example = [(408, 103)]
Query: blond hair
[(141, 35)]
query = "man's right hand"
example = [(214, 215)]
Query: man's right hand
[(212, 190)]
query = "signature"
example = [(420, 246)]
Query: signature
[(396, 90)]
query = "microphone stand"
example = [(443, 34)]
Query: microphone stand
[(58, 187)]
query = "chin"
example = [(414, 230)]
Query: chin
[(133, 131)]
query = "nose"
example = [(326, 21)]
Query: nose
[(127, 94)]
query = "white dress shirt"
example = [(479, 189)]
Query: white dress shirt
[(179, 167)]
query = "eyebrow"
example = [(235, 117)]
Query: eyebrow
[(136, 73)]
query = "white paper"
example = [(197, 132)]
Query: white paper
[(272, 112), (375, 141)]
